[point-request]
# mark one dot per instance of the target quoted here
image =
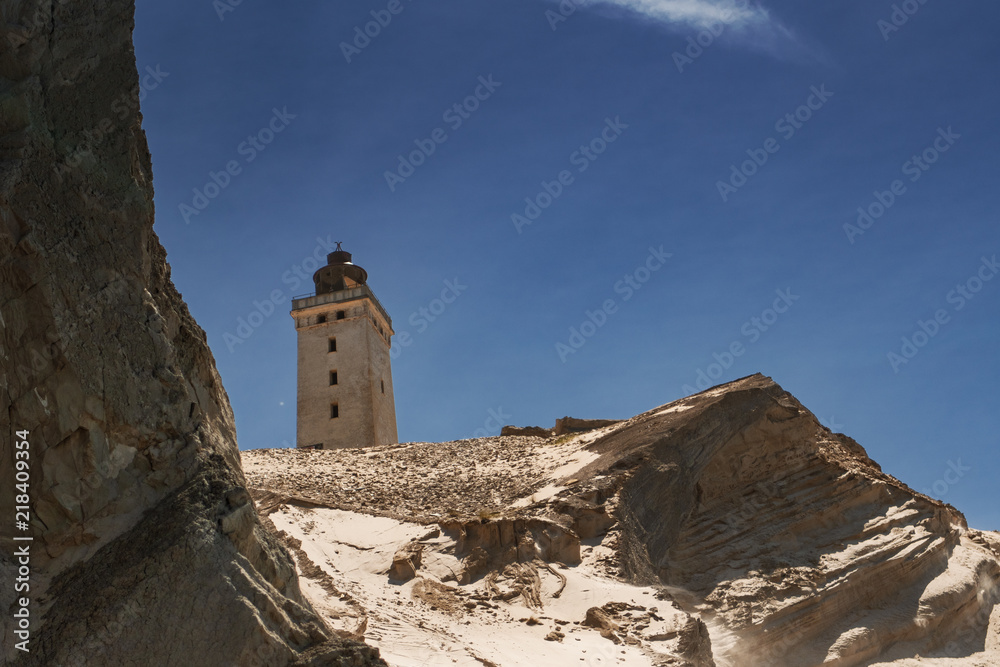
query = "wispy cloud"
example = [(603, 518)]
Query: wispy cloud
[(695, 13), (747, 23)]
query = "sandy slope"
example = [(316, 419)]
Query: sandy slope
[(431, 620), (749, 535), (416, 625)]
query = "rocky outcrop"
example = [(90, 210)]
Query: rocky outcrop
[(565, 425), (413, 481), (726, 528), (490, 544), (573, 425), (683, 640), (147, 548), (788, 535), (586, 513), (535, 431), (406, 562)]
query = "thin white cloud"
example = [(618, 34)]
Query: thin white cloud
[(695, 13), (745, 23)]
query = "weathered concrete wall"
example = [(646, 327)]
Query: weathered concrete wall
[(367, 416), (383, 402)]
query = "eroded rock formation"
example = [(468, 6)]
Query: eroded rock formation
[(789, 536), (727, 528), (147, 548)]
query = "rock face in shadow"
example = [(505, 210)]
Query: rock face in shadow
[(147, 548)]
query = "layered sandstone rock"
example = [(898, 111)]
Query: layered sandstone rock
[(147, 548), (790, 537), (729, 527)]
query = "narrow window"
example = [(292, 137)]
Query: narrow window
[(321, 319), (383, 386), (341, 314), (334, 411), (333, 345), (333, 378)]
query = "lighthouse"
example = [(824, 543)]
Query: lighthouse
[(345, 394)]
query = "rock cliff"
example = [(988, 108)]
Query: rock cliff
[(789, 539), (147, 548), (728, 528)]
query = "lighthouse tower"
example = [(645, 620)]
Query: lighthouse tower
[(344, 379)]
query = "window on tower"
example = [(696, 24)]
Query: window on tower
[(383, 386), (341, 314), (334, 411), (333, 378), (333, 345), (321, 319)]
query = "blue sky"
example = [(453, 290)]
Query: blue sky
[(683, 175)]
